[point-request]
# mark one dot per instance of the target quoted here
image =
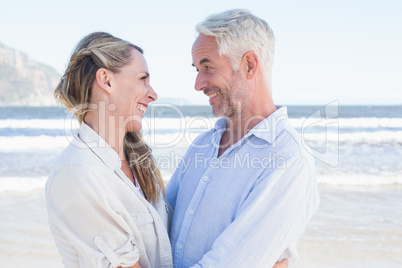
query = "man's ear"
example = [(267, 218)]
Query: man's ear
[(250, 60), (103, 78)]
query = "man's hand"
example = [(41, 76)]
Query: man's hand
[(137, 265), (281, 264)]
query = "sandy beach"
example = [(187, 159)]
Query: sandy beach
[(355, 227)]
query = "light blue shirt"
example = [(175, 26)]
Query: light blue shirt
[(249, 206)]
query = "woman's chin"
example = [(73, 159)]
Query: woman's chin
[(134, 127)]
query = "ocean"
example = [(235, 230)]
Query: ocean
[(358, 152)]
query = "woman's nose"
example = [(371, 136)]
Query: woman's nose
[(151, 94)]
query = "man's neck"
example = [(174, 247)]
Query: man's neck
[(238, 125)]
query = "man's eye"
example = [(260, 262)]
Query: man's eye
[(207, 67)]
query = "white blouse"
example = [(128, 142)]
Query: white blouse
[(97, 216)]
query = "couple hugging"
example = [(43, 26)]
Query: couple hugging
[(107, 203)]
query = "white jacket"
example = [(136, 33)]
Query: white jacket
[(97, 216)]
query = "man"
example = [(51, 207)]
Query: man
[(245, 190)]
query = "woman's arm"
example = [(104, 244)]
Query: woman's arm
[(85, 220)]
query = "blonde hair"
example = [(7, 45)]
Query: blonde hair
[(103, 50), (238, 31)]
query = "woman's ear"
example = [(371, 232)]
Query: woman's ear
[(251, 64), (103, 78)]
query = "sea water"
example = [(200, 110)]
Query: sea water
[(358, 152)]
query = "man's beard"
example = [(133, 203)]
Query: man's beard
[(234, 98)]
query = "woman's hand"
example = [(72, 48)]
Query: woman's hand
[(281, 264)]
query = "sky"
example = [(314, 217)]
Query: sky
[(345, 50)]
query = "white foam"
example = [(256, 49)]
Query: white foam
[(40, 124), (23, 143), (22, 184), (44, 142), (69, 124), (185, 138), (378, 137), (365, 122), (358, 180)]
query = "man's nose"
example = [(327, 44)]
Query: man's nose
[(200, 82)]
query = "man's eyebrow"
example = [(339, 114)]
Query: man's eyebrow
[(145, 74), (204, 60)]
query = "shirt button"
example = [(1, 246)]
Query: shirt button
[(98, 241), (191, 212), (206, 178), (180, 246)]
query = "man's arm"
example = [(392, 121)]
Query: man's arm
[(273, 216), (77, 213), (172, 187)]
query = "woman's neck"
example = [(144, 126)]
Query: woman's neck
[(107, 128)]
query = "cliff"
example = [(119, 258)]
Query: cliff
[(24, 81)]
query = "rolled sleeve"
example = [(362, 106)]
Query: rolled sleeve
[(86, 223)]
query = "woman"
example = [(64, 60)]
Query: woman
[(105, 195)]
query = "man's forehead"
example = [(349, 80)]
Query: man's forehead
[(204, 49), (204, 41), (202, 38)]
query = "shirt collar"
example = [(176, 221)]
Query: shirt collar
[(268, 129), (86, 137), (221, 124)]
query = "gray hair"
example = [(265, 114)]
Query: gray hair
[(239, 31)]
